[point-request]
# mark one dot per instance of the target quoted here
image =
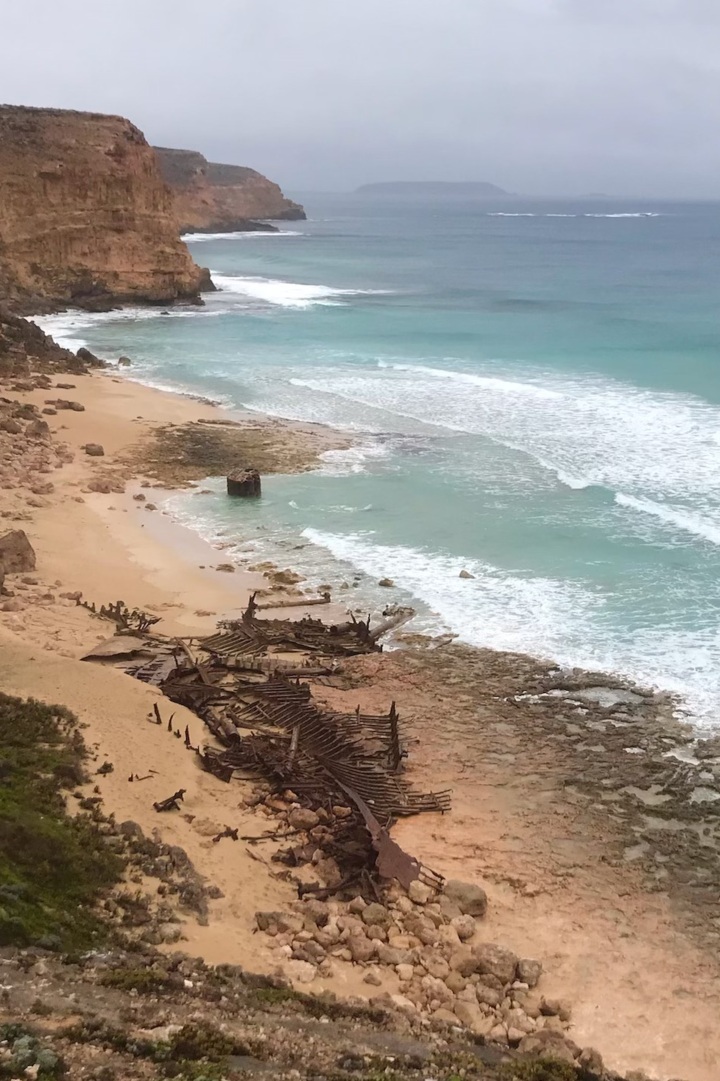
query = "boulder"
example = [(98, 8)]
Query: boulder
[(361, 948), (419, 892), (300, 971), (89, 358), (376, 914), (473, 1018), (496, 961), (38, 429), (470, 899), (465, 574), (388, 583), (529, 971), (95, 450), (244, 483), (302, 818), (16, 553), (12, 427), (124, 362), (465, 927)]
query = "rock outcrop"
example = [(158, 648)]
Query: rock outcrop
[(222, 198), (85, 217)]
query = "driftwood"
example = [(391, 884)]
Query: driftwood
[(301, 602)]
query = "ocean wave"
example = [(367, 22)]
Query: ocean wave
[(588, 430), (64, 327), (508, 386), (569, 623), (584, 214), (247, 234), (287, 294), (677, 517), (627, 214), (490, 610)]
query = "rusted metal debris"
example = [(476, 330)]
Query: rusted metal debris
[(267, 724), (120, 614), (172, 803)]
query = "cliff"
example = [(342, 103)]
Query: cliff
[(221, 198), (85, 217)]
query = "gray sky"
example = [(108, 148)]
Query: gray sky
[(539, 96)]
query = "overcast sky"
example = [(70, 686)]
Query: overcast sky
[(539, 96)]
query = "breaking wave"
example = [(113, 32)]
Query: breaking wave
[(287, 294)]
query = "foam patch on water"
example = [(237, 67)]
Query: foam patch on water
[(287, 294), (587, 431), (247, 234), (561, 620), (355, 459), (676, 517)]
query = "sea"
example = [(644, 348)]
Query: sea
[(533, 392)]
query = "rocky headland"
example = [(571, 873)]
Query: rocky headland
[(85, 217), (210, 197)]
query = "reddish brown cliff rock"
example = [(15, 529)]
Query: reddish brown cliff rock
[(221, 198), (85, 217)]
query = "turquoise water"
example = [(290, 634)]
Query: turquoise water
[(536, 398)]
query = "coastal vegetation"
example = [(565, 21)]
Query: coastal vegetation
[(53, 867)]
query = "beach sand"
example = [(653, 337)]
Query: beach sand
[(544, 814)]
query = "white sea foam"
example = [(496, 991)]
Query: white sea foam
[(491, 610), (586, 214), (626, 214), (247, 234), (503, 386), (589, 431), (676, 517), (355, 459), (287, 294), (562, 620)]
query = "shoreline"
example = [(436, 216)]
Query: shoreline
[(529, 769)]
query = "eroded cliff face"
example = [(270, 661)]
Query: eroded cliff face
[(221, 198), (85, 216)]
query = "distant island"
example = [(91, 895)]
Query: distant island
[(479, 189)]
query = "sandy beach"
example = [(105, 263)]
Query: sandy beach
[(583, 848)]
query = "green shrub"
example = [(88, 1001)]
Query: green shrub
[(52, 866)]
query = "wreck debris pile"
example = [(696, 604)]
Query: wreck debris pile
[(244, 682)]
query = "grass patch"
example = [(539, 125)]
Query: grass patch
[(52, 867), (146, 981), (542, 1069)]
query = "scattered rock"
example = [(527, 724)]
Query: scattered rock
[(388, 583), (495, 961), (465, 927), (529, 972), (376, 914), (302, 818), (95, 450), (470, 899), (16, 553), (419, 893), (227, 568)]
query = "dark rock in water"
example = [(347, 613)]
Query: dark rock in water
[(124, 362), (16, 553), (245, 483), (89, 358)]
